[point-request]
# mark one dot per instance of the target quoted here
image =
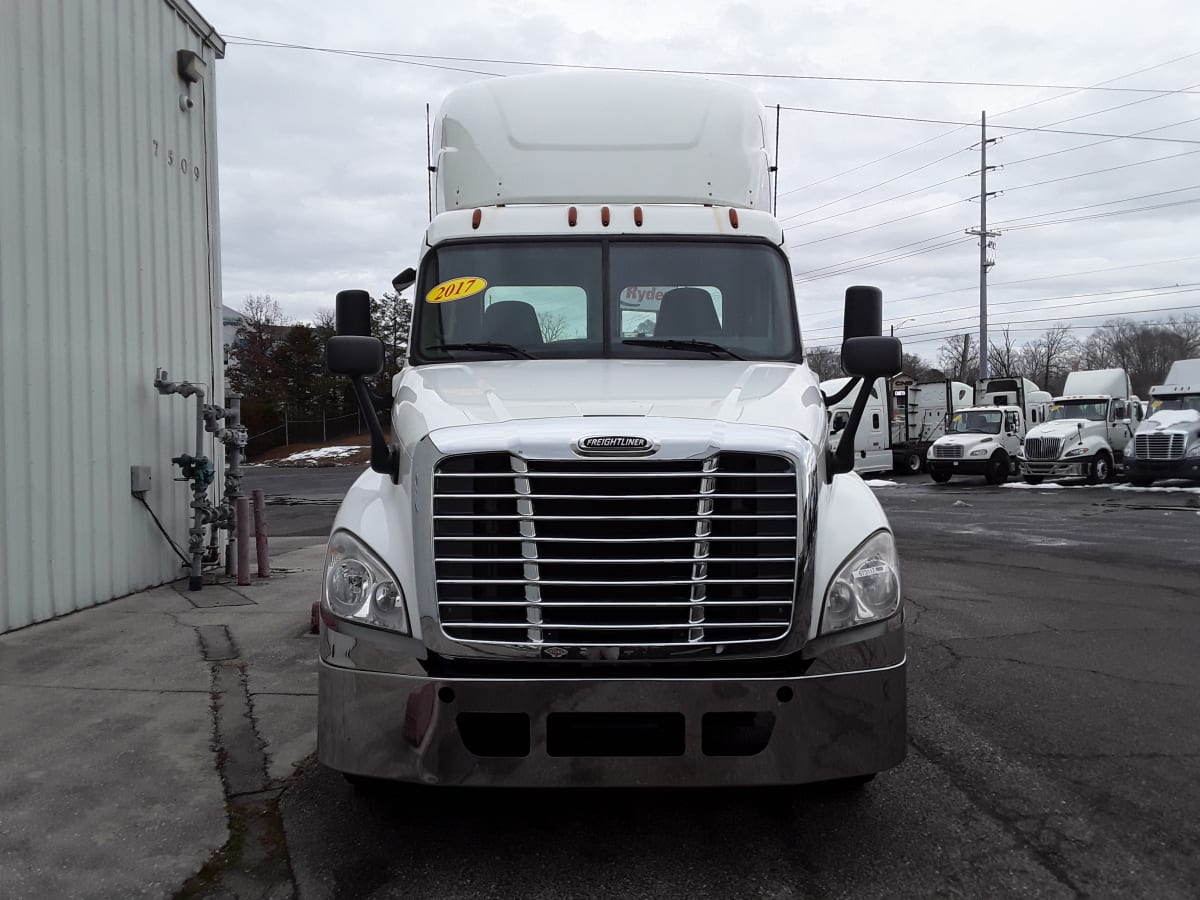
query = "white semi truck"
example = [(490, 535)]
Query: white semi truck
[(607, 541), (922, 419), (1167, 442), (872, 441), (1087, 429), (986, 439)]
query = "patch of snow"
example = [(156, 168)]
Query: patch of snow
[(322, 453), (880, 482), (1022, 486), (960, 503), (1165, 489)]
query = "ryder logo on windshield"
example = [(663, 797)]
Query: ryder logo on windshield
[(614, 445)]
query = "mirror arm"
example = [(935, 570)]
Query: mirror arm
[(842, 460), (842, 394), (384, 459)]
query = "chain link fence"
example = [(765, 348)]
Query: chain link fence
[(271, 426)]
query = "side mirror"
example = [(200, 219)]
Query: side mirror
[(405, 279), (355, 356), (872, 357), (354, 353)]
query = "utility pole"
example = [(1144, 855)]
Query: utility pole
[(986, 242)]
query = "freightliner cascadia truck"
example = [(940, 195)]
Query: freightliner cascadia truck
[(607, 541)]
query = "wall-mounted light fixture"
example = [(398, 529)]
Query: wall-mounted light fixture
[(190, 66)]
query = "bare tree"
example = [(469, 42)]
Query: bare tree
[(826, 362), (1004, 358), (554, 326), (959, 358), (1047, 360)]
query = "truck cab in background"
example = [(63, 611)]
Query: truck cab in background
[(986, 439), (1167, 442), (1087, 430), (608, 541), (921, 419), (872, 441)]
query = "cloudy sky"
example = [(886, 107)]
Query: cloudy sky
[(322, 155)]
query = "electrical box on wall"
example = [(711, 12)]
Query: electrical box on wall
[(139, 479)]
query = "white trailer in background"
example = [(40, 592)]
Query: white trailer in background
[(985, 439), (1087, 431), (872, 441), (922, 418), (1167, 443)]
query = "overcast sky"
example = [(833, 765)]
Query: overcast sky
[(322, 156)]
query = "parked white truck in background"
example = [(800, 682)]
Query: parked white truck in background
[(1167, 442), (1087, 431), (608, 541), (922, 419), (872, 441), (986, 439)]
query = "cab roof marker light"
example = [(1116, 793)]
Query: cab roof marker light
[(637, 216), (733, 218), (476, 218), (572, 216), (604, 216)]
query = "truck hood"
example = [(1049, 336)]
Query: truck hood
[(966, 441), (1179, 419), (428, 398), (1064, 428)]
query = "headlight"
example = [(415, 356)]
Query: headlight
[(1194, 450), (358, 586), (981, 451), (866, 587), (1077, 451), (1128, 451)]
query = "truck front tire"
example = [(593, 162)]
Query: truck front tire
[(1100, 470), (941, 476), (998, 468)]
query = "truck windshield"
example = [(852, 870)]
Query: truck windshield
[(692, 299), (976, 422), (1096, 410), (1175, 402)]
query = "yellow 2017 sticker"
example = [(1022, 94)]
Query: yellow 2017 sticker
[(455, 289)]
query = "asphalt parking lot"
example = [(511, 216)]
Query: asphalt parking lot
[(1054, 729)]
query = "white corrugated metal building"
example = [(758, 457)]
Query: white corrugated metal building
[(109, 268)]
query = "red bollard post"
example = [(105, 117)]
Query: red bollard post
[(261, 550), (243, 541)]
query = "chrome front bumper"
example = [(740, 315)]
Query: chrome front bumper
[(1056, 469), (577, 732)]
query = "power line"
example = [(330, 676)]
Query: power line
[(1140, 162), (847, 271), (875, 186), (1004, 113), (923, 212), (1057, 212), (846, 262), (243, 40), (1097, 143), (1105, 215), (1021, 128), (1141, 294), (1157, 262), (928, 336), (847, 212)]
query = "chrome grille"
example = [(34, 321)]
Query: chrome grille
[(600, 553), (947, 451), (1159, 446), (1042, 448)]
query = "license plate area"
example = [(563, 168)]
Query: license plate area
[(615, 734)]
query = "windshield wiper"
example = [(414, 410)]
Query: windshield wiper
[(698, 346), (486, 347)]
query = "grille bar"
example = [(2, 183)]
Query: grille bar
[(538, 553), (1042, 448), (1168, 446)]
